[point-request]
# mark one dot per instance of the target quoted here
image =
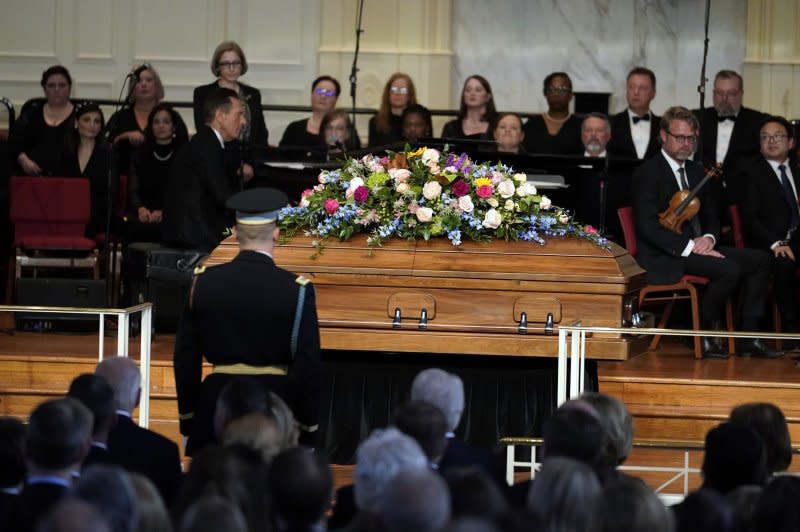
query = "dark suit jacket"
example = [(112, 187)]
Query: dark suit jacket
[(195, 216), (258, 136), (659, 249), (744, 145), (765, 213), (621, 143), (97, 455), (35, 501), (143, 451)]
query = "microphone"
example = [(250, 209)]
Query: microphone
[(138, 71)]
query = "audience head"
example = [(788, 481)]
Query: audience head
[(71, 514), (59, 435), (778, 508), (398, 95), (443, 390), (228, 61), (12, 452), (595, 133), (284, 419), (704, 510), (239, 397), (415, 500), (734, 455), (472, 524), (151, 514), (224, 112), (640, 89), (477, 94), (110, 491), (728, 92), (147, 88), (324, 94), (626, 503), (557, 90), (563, 494), (301, 486), (473, 493), (679, 130), (162, 125), (508, 133), (768, 421), (123, 375), (426, 424), (575, 431), (57, 84), (417, 122), (617, 422), (94, 392), (256, 432), (212, 513), (89, 120), (381, 456), (336, 128), (777, 138), (743, 501)]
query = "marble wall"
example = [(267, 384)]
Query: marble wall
[(516, 43)]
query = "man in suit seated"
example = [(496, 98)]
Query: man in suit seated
[(770, 213), (96, 394), (667, 255), (728, 132), (634, 131), (135, 448)]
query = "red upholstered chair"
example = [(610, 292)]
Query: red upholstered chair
[(670, 293), (50, 215)]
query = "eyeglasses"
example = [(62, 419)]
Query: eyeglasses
[(229, 64), (562, 90), (398, 90), (325, 92), (683, 139), (59, 85), (777, 137)]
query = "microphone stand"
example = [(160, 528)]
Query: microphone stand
[(702, 87), (354, 68)]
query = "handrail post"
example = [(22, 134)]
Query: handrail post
[(122, 335), (102, 334), (561, 370), (144, 366)]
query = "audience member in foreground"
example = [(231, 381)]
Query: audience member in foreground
[(627, 504), (110, 491), (301, 486), (74, 515), (769, 423), (94, 392), (562, 495), (212, 513), (734, 456), (618, 425), (415, 500)]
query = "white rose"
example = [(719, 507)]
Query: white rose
[(545, 203), (526, 189), (403, 188), (356, 182), (430, 156), (424, 214), (304, 202), (400, 175), (451, 169), (465, 204), (492, 219), (506, 188), (563, 218), (520, 178), (322, 178), (509, 205), (492, 202), (496, 177), (432, 190)]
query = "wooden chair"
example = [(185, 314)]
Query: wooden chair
[(686, 288)]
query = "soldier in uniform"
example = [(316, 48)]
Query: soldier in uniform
[(248, 317)]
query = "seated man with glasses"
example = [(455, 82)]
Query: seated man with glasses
[(667, 255), (771, 216)]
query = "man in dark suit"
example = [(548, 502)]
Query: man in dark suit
[(94, 392), (728, 132), (194, 207), (667, 255), (770, 213), (133, 447), (248, 317), (634, 131)]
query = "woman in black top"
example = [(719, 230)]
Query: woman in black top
[(386, 127), (229, 63), (338, 133), (306, 133), (38, 135), (147, 182), (477, 112), (417, 123), (555, 131)]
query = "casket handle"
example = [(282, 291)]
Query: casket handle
[(423, 319), (398, 319), (523, 323), (548, 324)]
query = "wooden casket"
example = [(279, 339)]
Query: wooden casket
[(496, 298)]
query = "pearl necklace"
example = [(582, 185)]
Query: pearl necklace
[(556, 120), (163, 158)]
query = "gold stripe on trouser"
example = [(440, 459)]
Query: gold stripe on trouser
[(246, 369)]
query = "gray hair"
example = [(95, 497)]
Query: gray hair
[(123, 375), (563, 494), (378, 459), (599, 116), (416, 500), (617, 421), (443, 390), (110, 490)]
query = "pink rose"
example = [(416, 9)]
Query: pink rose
[(460, 188), (484, 191), (589, 229), (331, 206), (361, 194)]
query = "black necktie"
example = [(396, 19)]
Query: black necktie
[(694, 222), (791, 199), (637, 119), (732, 118)]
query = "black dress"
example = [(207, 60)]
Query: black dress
[(96, 171), (297, 134), (147, 186), (125, 120), (382, 138), (455, 130), (40, 141), (566, 142)]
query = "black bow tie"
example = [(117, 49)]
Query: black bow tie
[(721, 119), (637, 119)]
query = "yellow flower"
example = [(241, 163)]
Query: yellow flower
[(415, 153), (481, 181)]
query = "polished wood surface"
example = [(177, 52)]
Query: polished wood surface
[(473, 295)]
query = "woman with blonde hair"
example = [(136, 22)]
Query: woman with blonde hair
[(386, 126)]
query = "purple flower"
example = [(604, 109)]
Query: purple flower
[(361, 194), (460, 188)]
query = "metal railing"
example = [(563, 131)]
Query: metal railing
[(123, 338)]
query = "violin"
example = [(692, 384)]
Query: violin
[(684, 204)]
